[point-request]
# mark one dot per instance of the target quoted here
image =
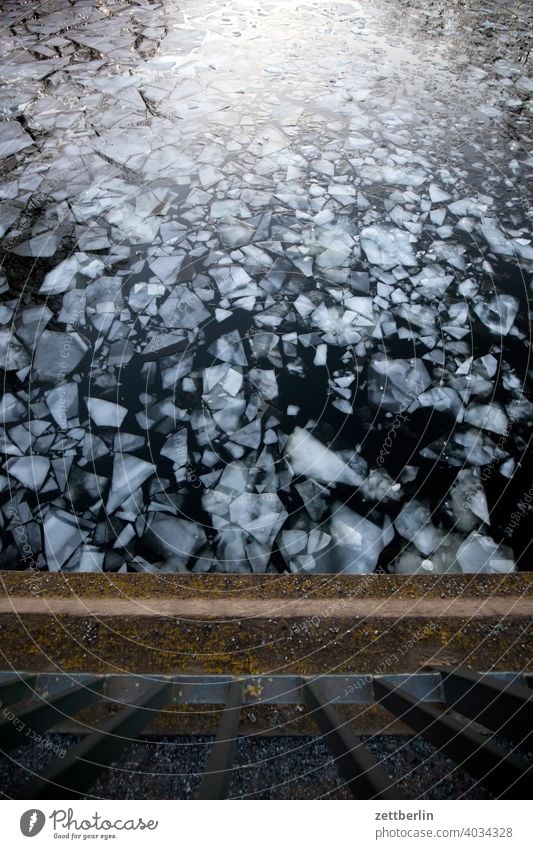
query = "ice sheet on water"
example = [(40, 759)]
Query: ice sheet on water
[(339, 326), (234, 233), (129, 472), (175, 448), (183, 309), (393, 175), (444, 399), (358, 542), (57, 355), (62, 401), (61, 278), (379, 486), (302, 548), (498, 314), (260, 515), (73, 309), (229, 349), (309, 457), (167, 268), (487, 417), (387, 246), (176, 540), (63, 535), (438, 195), (209, 176), (503, 245), (12, 354), (234, 282), (222, 378), (13, 139), (106, 413), (395, 384), (432, 279), (265, 382), (414, 523), (479, 553), (227, 412), (248, 436), (471, 446), (30, 471), (469, 502)]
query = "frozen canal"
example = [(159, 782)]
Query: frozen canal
[(264, 292)]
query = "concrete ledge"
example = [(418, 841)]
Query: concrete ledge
[(249, 625)]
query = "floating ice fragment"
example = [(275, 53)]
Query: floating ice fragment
[(468, 501), (30, 471), (209, 176), (413, 523), (379, 486), (310, 458), (259, 515), (61, 278), (395, 385), (105, 413), (437, 194), (479, 553), (488, 417), (183, 309), (387, 246), (129, 473), (444, 399), (175, 539), (229, 349), (357, 542), (62, 536), (264, 380), (234, 233), (13, 139), (57, 355), (62, 401), (498, 314), (12, 355)]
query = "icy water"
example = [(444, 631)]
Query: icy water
[(264, 291)]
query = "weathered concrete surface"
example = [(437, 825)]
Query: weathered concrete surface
[(263, 624)]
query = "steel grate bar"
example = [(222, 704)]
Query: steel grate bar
[(70, 777), (16, 689), (507, 774), (217, 775), (355, 762), (505, 708), (15, 728)]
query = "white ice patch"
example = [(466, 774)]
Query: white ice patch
[(30, 471), (479, 553), (310, 458), (498, 314), (129, 473), (61, 278), (357, 542), (106, 413), (387, 246), (395, 384)]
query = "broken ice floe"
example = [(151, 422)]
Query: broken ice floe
[(220, 321)]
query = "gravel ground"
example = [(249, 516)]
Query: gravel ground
[(267, 768)]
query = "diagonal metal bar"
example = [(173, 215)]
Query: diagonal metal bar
[(17, 688), (504, 772), (355, 762), (19, 727), (505, 708), (217, 775), (69, 778)]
